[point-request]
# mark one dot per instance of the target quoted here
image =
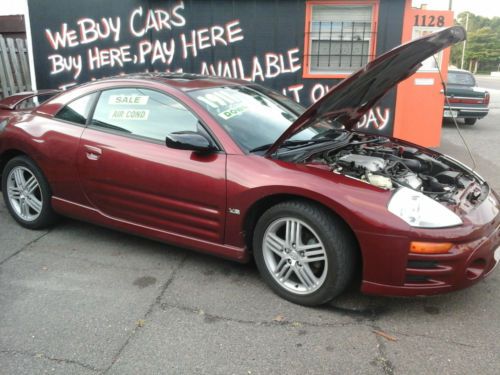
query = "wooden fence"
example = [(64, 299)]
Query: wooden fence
[(14, 66)]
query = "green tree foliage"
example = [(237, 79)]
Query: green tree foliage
[(482, 52)]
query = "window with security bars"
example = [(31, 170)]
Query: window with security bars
[(340, 38)]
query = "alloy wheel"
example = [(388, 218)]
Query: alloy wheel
[(24, 193), (295, 255)]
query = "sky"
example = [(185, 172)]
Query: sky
[(485, 8)]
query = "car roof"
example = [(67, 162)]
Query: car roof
[(456, 70), (180, 81)]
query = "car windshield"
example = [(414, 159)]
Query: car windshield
[(255, 118), (461, 78)]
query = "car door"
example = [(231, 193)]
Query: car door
[(127, 172)]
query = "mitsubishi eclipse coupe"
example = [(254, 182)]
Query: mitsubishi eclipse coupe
[(234, 169)]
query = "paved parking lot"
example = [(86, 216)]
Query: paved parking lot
[(80, 299)]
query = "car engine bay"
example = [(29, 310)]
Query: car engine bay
[(387, 165)]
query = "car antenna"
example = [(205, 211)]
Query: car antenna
[(453, 116)]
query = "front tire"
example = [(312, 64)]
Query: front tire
[(304, 253), (27, 194)]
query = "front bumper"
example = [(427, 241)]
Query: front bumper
[(426, 274), (389, 268)]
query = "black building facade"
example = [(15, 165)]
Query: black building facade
[(297, 47)]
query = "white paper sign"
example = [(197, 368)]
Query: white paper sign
[(424, 81), (129, 114), (232, 112), (128, 99)]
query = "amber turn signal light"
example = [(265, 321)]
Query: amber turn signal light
[(430, 247)]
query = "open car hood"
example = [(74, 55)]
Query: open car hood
[(353, 97)]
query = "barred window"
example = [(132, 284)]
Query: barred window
[(340, 38)]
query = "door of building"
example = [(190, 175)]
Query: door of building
[(420, 98)]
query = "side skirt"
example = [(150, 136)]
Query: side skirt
[(89, 214)]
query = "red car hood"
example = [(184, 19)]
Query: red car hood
[(353, 97)]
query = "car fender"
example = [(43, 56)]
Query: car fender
[(251, 179), (15, 138)]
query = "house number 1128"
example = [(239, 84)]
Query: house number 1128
[(432, 21)]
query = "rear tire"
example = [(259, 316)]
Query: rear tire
[(470, 121), (27, 194), (304, 252)]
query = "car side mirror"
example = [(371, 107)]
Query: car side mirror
[(188, 140)]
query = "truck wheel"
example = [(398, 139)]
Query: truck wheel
[(470, 121)]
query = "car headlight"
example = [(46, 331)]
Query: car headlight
[(418, 210)]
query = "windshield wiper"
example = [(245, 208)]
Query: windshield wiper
[(290, 144)]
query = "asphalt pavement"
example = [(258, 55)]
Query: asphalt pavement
[(80, 299)]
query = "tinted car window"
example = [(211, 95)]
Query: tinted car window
[(252, 118), (461, 78), (78, 110), (283, 100), (34, 101), (141, 112)]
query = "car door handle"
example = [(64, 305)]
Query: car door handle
[(93, 153)]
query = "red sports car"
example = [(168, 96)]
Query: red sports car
[(236, 170)]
